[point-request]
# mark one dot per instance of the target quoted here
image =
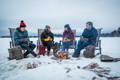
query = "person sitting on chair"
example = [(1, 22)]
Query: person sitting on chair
[(68, 37), (21, 39), (89, 36), (47, 38)]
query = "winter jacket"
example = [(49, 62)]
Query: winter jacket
[(19, 36), (47, 37), (90, 34), (68, 35)]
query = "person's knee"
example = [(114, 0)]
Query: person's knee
[(24, 46), (33, 46), (85, 44)]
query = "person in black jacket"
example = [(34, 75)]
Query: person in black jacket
[(47, 38), (89, 36)]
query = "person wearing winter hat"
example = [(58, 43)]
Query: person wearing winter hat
[(47, 38), (68, 37), (21, 39)]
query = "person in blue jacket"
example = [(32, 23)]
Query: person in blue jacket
[(21, 39), (89, 36)]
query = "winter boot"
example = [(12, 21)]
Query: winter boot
[(25, 54), (76, 55), (48, 53), (34, 54)]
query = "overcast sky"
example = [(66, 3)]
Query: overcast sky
[(57, 13)]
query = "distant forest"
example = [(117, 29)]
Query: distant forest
[(115, 33)]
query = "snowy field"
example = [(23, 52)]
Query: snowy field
[(48, 69)]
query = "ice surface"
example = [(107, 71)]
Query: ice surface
[(48, 69)]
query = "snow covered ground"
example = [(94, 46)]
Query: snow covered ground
[(48, 69)]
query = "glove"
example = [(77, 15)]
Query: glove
[(83, 39), (25, 40), (66, 40), (48, 39)]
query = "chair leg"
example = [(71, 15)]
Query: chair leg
[(10, 44), (100, 47), (37, 49), (75, 46), (100, 50), (60, 44)]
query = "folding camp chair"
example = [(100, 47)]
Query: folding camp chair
[(90, 49), (39, 42), (15, 52), (12, 42), (98, 41)]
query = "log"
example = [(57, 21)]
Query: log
[(107, 58), (89, 51), (15, 53)]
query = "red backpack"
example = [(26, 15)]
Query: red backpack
[(41, 50)]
